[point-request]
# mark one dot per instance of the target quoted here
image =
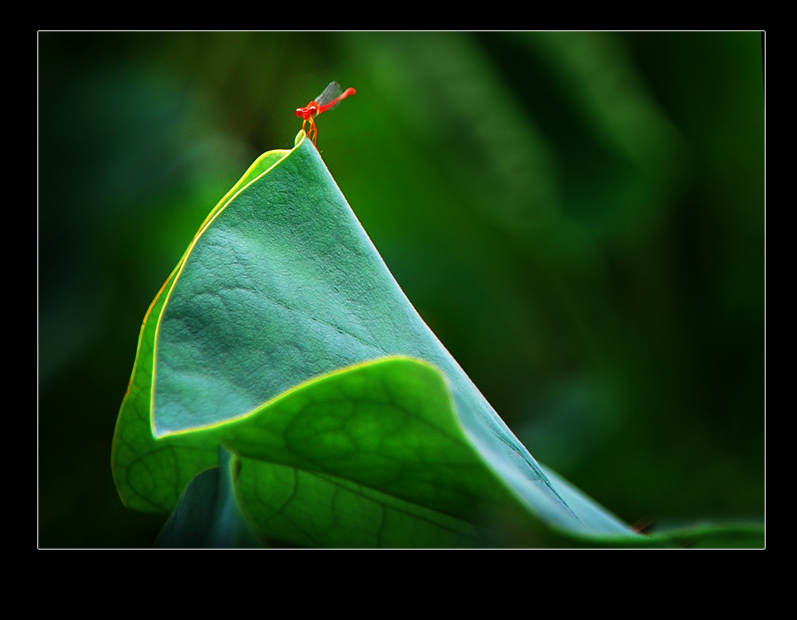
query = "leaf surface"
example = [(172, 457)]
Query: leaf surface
[(208, 514), (282, 336)]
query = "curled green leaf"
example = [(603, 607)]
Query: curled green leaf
[(282, 337)]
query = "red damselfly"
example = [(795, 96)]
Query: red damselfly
[(332, 96)]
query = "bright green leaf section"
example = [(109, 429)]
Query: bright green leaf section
[(151, 475), (312, 510), (375, 455)]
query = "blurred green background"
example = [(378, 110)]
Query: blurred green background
[(578, 216)]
